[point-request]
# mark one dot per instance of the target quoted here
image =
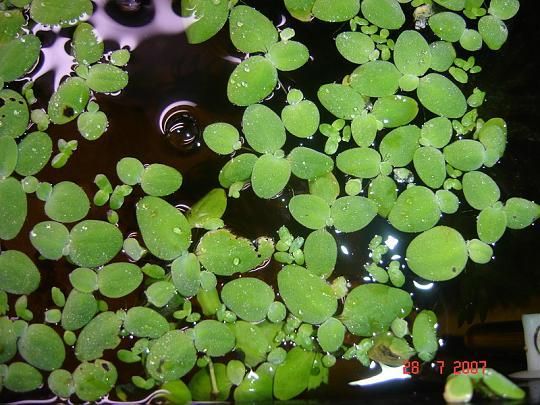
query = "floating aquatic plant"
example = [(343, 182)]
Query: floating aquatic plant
[(199, 303)]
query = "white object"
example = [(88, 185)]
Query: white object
[(531, 329)]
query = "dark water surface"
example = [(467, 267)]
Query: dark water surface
[(189, 82)]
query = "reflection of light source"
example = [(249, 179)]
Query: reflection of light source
[(531, 329), (387, 374)]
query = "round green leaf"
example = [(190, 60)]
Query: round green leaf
[(35, 150), (307, 296), (502, 386), (326, 187), (129, 171), (301, 119), (250, 30), (208, 18), (300, 9), (320, 252), (160, 293), (395, 111), (165, 230), (440, 96), (436, 132), (409, 82), (160, 180), (263, 129), (68, 101), (375, 79), (22, 377), (171, 357), (447, 26), (480, 190), (41, 346), (384, 13), (119, 279), (443, 55), (292, 376), (145, 322), (84, 280), (288, 55), (60, 382), (18, 56), (309, 210), (493, 136), (94, 380), (503, 9), (479, 252), (371, 308), (106, 78), (270, 175), (8, 340), (415, 210), (87, 45), (13, 208), (424, 334), (213, 338), (8, 156), (356, 47), (352, 213), (79, 309), (249, 298), (465, 154), (364, 129), (342, 101), (251, 81), (60, 12), (448, 201), (412, 54), (455, 5), (13, 113), (94, 243), (383, 192), (335, 11), (67, 203), (491, 224), (438, 254), (224, 254), (11, 22), (359, 162), (18, 274), (471, 40), (186, 274), (494, 31), (399, 145), (430, 166), (238, 169), (92, 125), (330, 335), (221, 138), (520, 212), (308, 164), (100, 334)]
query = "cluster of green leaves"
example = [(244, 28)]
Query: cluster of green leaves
[(460, 388), (204, 317)]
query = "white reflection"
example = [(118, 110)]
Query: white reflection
[(423, 286), (344, 250), (391, 242), (387, 374)]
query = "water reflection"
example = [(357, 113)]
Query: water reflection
[(180, 126)]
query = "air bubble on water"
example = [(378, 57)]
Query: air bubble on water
[(180, 126)]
